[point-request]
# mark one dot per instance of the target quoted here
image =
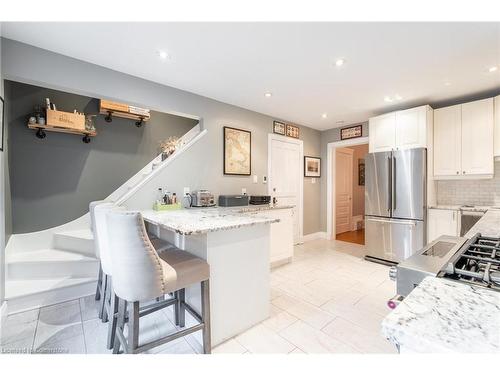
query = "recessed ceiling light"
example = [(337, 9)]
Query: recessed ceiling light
[(268, 94), (340, 62), (324, 115), (394, 98), (163, 55), (388, 99), (447, 83), (493, 69), (398, 97)]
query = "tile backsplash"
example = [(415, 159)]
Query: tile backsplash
[(475, 192)]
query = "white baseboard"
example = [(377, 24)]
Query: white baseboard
[(315, 236), (3, 317)]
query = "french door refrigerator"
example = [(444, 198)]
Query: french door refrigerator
[(395, 204)]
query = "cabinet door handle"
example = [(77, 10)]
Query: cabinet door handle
[(463, 172), (458, 172), (454, 213)]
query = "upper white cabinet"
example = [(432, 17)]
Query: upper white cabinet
[(463, 140), (400, 130), (447, 141), (496, 151), (382, 133)]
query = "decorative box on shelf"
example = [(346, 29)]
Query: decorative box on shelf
[(66, 120), (166, 207)]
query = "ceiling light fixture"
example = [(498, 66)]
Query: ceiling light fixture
[(447, 83), (324, 115), (388, 99), (340, 62), (394, 98), (268, 94), (493, 69), (163, 55)]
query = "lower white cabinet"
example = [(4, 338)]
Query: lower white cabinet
[(281, 248), (442, 222)]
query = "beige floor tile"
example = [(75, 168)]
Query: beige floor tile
[(260, 339), (354, 314), (359, 338), (229, 347), (311, 340), (306, 312)]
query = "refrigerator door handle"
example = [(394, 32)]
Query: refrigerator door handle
[(389, 190), (400, 222), (393, 187)]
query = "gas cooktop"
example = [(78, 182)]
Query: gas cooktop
[(477, 262)]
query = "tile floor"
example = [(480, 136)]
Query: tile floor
[(329, 300)]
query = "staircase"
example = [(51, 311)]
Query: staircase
[(40, 277), (59, 264)]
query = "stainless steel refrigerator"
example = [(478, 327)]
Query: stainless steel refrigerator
[(395, 204)]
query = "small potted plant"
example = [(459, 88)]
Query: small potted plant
[(168, 147)]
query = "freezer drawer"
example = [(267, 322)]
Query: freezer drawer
[(393, 239)]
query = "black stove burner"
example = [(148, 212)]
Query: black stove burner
[(477, 263)]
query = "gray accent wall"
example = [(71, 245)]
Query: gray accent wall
[(202, 166), (2, 198), (52, 180)]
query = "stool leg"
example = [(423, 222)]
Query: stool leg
[(120, 324), (102, 307), (177, 308), (181, 294), (99, 284), (205, 314), (113, 319), (133, 328)]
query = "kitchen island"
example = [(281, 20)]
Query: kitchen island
[(236, 245), (444, 315)]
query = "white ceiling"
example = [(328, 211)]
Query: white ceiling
[(238, 62)]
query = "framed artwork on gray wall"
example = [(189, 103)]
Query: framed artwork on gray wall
[(237, 152), (312, 166), (2, 103)]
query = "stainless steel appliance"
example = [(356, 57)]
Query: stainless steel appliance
[(395, 204), (260, 199), (475, 261), (468, 218), (233, 200), (202, 198)]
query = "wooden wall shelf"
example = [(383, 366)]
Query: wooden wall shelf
[(41, 129), (114, 109)]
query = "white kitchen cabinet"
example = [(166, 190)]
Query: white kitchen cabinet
[(382, 133), (477, 137), (411, 128), (463, 141), (447, 141), (442, 222), (496, 152), (281, 248), (400, 130)]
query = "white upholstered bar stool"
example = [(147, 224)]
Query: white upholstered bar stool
[(100, 288), (140, 273)]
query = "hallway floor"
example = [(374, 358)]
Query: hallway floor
[(355, 236), (329, 300)]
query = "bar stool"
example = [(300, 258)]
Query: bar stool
[(99, 289), (141, 274)]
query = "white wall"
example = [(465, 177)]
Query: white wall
[(2, 188)]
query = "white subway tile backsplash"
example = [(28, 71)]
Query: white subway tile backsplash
[(475, 192)]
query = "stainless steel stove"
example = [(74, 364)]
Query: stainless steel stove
[(474, 261), (477, 262)]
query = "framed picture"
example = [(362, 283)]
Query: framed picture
[(2, 103), (292, 131), (351, 132), (279, 127), (361, 172), (237, 152), (312, 166)]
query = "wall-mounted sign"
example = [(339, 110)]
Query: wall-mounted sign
[(279, 127), (292, 131), (351, 132)]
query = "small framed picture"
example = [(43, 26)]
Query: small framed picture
[(292, 131), (279, 127), (312, 166), (351, 132), (237, 152)]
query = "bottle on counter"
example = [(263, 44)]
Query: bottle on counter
[(159, 196), (174, 198)]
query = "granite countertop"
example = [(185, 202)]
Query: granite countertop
[(203, 220), (257, 208), (488, 225), (459, 207), (442, 315)]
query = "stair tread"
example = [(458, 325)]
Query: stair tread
[(20, 288), (47, 255), (84, 234)]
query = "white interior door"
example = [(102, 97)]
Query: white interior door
[(343, 189), (285, 177)]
